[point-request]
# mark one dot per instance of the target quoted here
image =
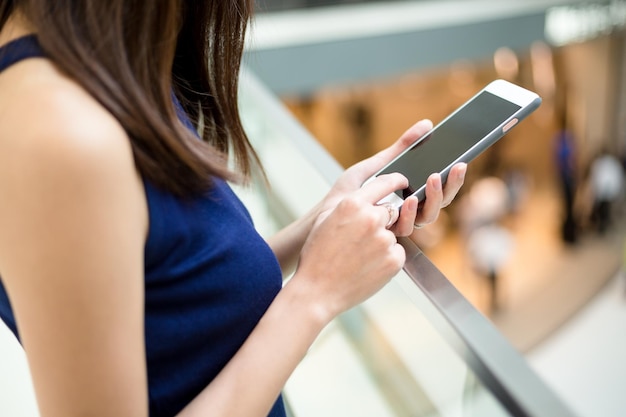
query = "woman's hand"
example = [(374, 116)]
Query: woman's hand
[(350, 253), (412, 213), (287, 243)]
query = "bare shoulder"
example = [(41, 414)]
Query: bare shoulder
[(74, 220), (59, 144), (44, 114)]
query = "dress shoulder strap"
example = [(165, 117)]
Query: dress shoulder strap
[(19, 49)]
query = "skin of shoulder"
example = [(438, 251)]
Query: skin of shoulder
[(52, 132), (48, 121), (74, 220), (48, 110)]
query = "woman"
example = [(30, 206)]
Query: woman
[(131, 274)]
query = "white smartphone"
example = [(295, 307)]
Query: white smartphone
[(461, 136)]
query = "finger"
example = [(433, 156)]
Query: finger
[(434, 198), (399, 254), (371, 165), (392, 214), (409, 137), (382, 186), (404, 225), (454, 182), (413, 133)]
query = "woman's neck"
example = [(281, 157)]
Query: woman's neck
[(15, 27)]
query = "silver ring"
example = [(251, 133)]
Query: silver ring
[(392, 214)]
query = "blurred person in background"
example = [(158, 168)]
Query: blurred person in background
[(490, 247), (130, 272), (565, 160), (606, 177)]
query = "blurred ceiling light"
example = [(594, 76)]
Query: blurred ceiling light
[(506, 63), (586, 20)]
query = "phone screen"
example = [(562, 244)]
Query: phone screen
[(451, 139)]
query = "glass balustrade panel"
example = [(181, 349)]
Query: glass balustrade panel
[(383, 358)]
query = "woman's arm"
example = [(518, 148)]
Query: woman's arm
[(348, 256), (73, 221), (288, 242)]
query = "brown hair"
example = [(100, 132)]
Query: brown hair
[(132, 55)]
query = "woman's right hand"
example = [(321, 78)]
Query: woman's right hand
[(350, 253), (348, 256)]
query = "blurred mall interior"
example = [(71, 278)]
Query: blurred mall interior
[(582, 80), (530, 205), (529, 242)]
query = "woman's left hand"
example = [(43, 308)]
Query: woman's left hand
[(412, 215)]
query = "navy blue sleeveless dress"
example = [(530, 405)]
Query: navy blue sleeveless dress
[(209, 277)]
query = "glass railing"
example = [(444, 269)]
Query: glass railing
[(418, 347), (280, 5)]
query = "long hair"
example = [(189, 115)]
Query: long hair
[(135, 56)]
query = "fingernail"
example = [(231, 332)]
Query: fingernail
[(437, 182), (462, 170)]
